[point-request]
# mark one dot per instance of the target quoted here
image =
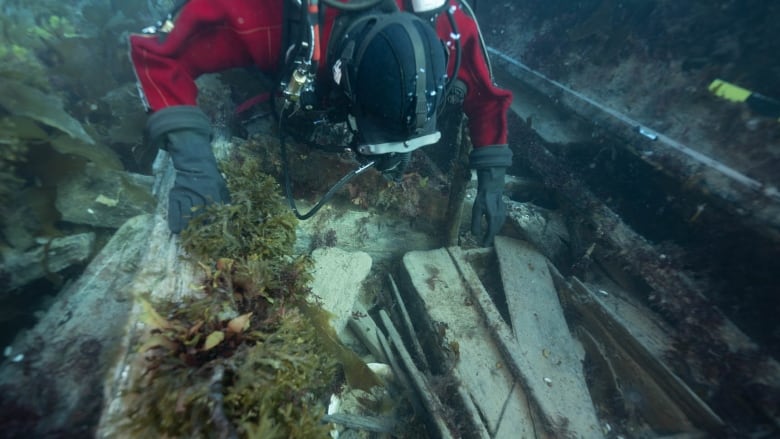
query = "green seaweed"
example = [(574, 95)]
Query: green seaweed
[(19, 63), (256, 222), (278, 382), (246, 355), (12, 154), (274, 362), (23, 100)]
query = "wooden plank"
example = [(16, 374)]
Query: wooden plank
[(684, 300), (400, 373), (409, 330), (379, 424), (518, 402), (726, 187), (365, 329), (539, 325), (465, 335), (534, 309), (562, 416), (429, 398), (630, 332)]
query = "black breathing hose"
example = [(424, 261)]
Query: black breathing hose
[(328, 195), (456, 35)]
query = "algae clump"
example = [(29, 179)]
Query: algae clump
[(239, 359), (256, 222)]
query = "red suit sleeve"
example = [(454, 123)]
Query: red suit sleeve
[(485, 104), (208, 36)]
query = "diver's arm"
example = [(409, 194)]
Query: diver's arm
[(485, 104), (207, 36)]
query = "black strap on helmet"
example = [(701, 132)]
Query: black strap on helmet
[(353, 55)]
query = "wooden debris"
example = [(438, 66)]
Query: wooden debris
[(432, 403), (726, 187), (479, 364), (379, 424), (403, 315), (682, 299), (634, 345), (565, 406), (366, 330), (65, 357), (401, 374)]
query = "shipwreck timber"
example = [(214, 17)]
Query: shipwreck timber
[(633, 293)]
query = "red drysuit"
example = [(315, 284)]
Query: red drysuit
[(215, 35)]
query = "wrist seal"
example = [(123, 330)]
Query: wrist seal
[(496, 156), (175, 118)]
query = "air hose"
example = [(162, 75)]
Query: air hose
[(328, 195)]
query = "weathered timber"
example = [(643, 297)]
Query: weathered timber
[(63, 359), (163, 274), (629, 328), (444, 304), (642, 384), (379, 424), (432, 403), (531, 296), (403, 315), (366, 330), (551, 357), (400, 373), (563, 414), (756, 203), (674, 291)]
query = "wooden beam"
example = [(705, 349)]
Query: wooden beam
[(563, 416)]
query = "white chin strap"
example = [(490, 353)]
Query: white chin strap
[(427, 5)]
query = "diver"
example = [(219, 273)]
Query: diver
[(382, 68)]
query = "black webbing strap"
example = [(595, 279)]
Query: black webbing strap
[(421, 111)]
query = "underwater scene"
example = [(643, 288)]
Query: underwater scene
[(389, 219)]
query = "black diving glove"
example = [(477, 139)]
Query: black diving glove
[(490, 162), (185, 132)]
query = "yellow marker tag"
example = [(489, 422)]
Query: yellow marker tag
[(728, 91)]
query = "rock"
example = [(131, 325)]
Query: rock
[(104, 197), (338, 275), (51, 256)]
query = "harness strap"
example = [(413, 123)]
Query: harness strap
[(421, 109)]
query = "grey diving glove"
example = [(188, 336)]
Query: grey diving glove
[(185, 132), (490, 162)]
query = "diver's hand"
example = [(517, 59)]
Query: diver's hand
[(186, 133), (488, 205), (490, 163)]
